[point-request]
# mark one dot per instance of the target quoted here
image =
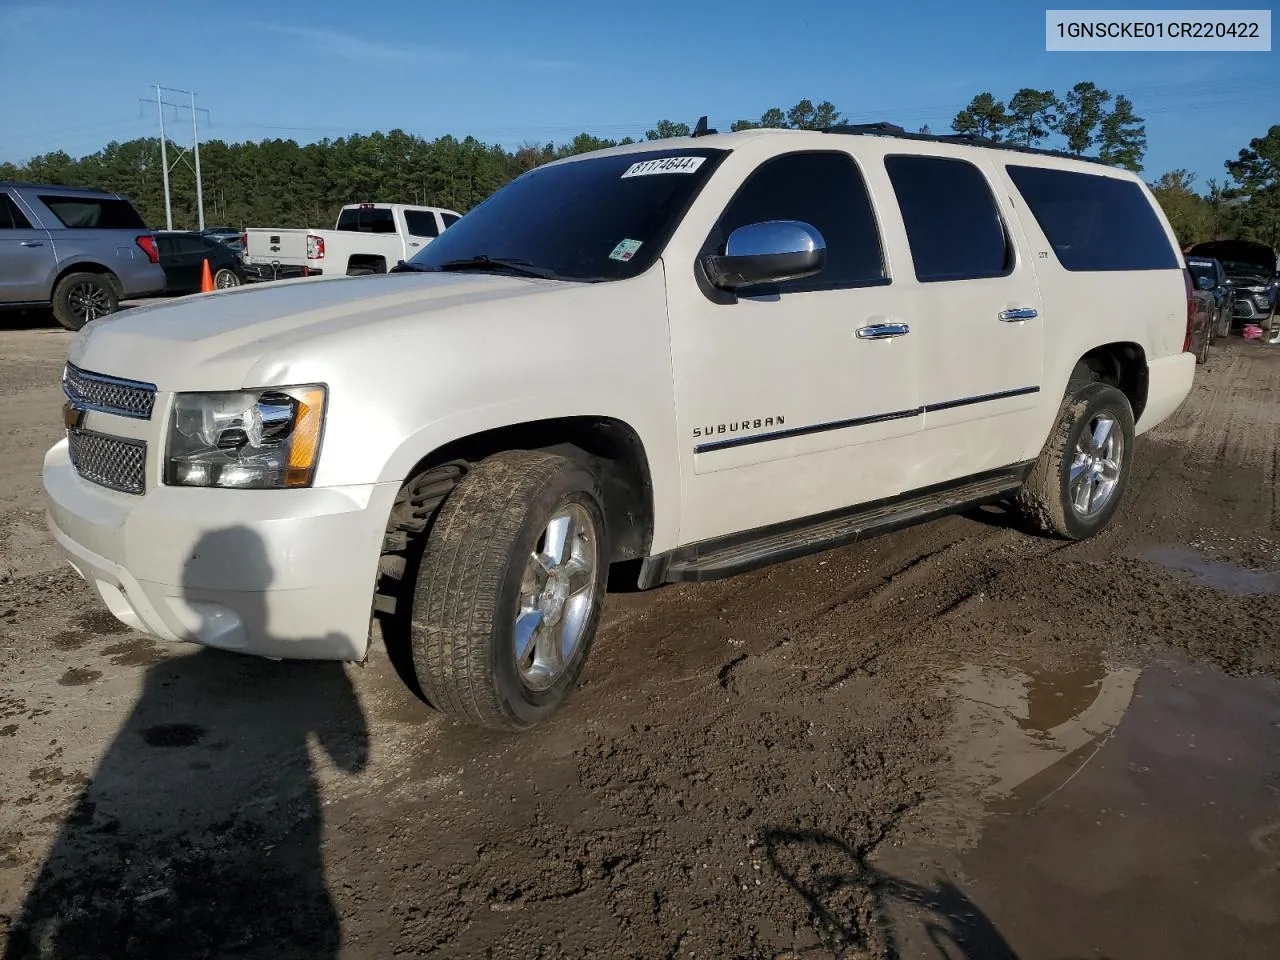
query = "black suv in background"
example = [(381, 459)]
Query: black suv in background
[(1251, 272)]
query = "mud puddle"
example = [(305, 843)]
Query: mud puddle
[(1101, 811), (1217, 574)]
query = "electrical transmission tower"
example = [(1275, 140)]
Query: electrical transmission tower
[(167, 167)]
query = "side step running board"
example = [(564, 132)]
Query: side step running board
[(713, 560)]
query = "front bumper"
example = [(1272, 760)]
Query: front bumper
[(278, 573), (1252, 306)]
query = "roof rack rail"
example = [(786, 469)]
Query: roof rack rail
[(884, 129)]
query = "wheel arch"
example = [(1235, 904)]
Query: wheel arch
[(610, 444), (1123, 365), (65, 269)]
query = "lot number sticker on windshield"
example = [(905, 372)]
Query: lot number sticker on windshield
[(625, 250), (647, 168)]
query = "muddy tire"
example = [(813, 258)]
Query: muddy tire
[(1077, 483), (82, 297), (510, 589)]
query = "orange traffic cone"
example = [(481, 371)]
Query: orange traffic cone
[(206, 280)]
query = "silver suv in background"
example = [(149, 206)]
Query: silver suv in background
[(78, 251)]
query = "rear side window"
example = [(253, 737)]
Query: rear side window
[(1095, 223), (952, 222), (449, 219), (11, 218), (94, 213), (367, 220), (826, 191), (420, 223)]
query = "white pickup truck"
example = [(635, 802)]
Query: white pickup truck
[(368, 238)]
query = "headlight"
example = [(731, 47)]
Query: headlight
[(256, 439)]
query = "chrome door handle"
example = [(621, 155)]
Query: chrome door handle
[(32, 243), (882, 331), (1019, 313)]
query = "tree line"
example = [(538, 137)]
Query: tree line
[(283, 183)]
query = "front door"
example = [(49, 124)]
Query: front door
[(27, 258), (789, 402), (976, 303)]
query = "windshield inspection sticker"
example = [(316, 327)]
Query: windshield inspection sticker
[(647, 168), (625, 250)]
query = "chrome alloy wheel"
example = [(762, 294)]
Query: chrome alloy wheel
[(88, 301), (556, 596), (1095, 471)]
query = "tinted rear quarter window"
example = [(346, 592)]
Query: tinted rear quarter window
[(11, 218), (952, 221), (825, 190), (449, 219), (1095, 223), (420, 223), (94, 213)]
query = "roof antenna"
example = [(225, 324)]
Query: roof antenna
[(701, 129)]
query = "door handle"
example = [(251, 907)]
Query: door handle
[(413, 243), (1018, 313), (32, 243), (882, 331)]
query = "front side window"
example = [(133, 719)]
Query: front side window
[(596, 219), (952, 221), (826, 191), (94, 213), (1094, 222)]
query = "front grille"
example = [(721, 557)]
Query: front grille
[(109, 461), (97, 391)]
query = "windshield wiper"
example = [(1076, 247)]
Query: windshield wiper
[(509, 264)]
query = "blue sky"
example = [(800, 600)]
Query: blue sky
[(72, 71)]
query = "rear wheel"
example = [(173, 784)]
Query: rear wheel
[(225, 279), (510, 589), (82, 297), (1077, 483)]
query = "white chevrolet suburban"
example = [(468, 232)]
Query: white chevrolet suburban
[(705, 354)]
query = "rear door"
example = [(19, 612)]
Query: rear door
[(420, 227), (26, 255), (976, 305)]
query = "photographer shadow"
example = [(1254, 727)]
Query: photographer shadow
[(200, 833)]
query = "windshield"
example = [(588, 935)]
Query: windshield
[(603, 218)]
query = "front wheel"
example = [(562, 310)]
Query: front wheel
[(510, 589), (1076, 485)]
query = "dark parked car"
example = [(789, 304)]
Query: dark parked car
[(1210, 276), (183, 254), (1251, 269)]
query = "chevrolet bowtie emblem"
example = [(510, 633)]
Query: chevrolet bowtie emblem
[(72, 415)]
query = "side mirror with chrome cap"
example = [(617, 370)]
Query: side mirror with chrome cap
[(767, 252)]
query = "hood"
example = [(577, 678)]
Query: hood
[(1239, 257), (212, 341)]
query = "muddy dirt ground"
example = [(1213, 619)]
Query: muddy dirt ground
[(956, 741)]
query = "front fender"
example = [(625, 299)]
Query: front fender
[(656, 438)]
